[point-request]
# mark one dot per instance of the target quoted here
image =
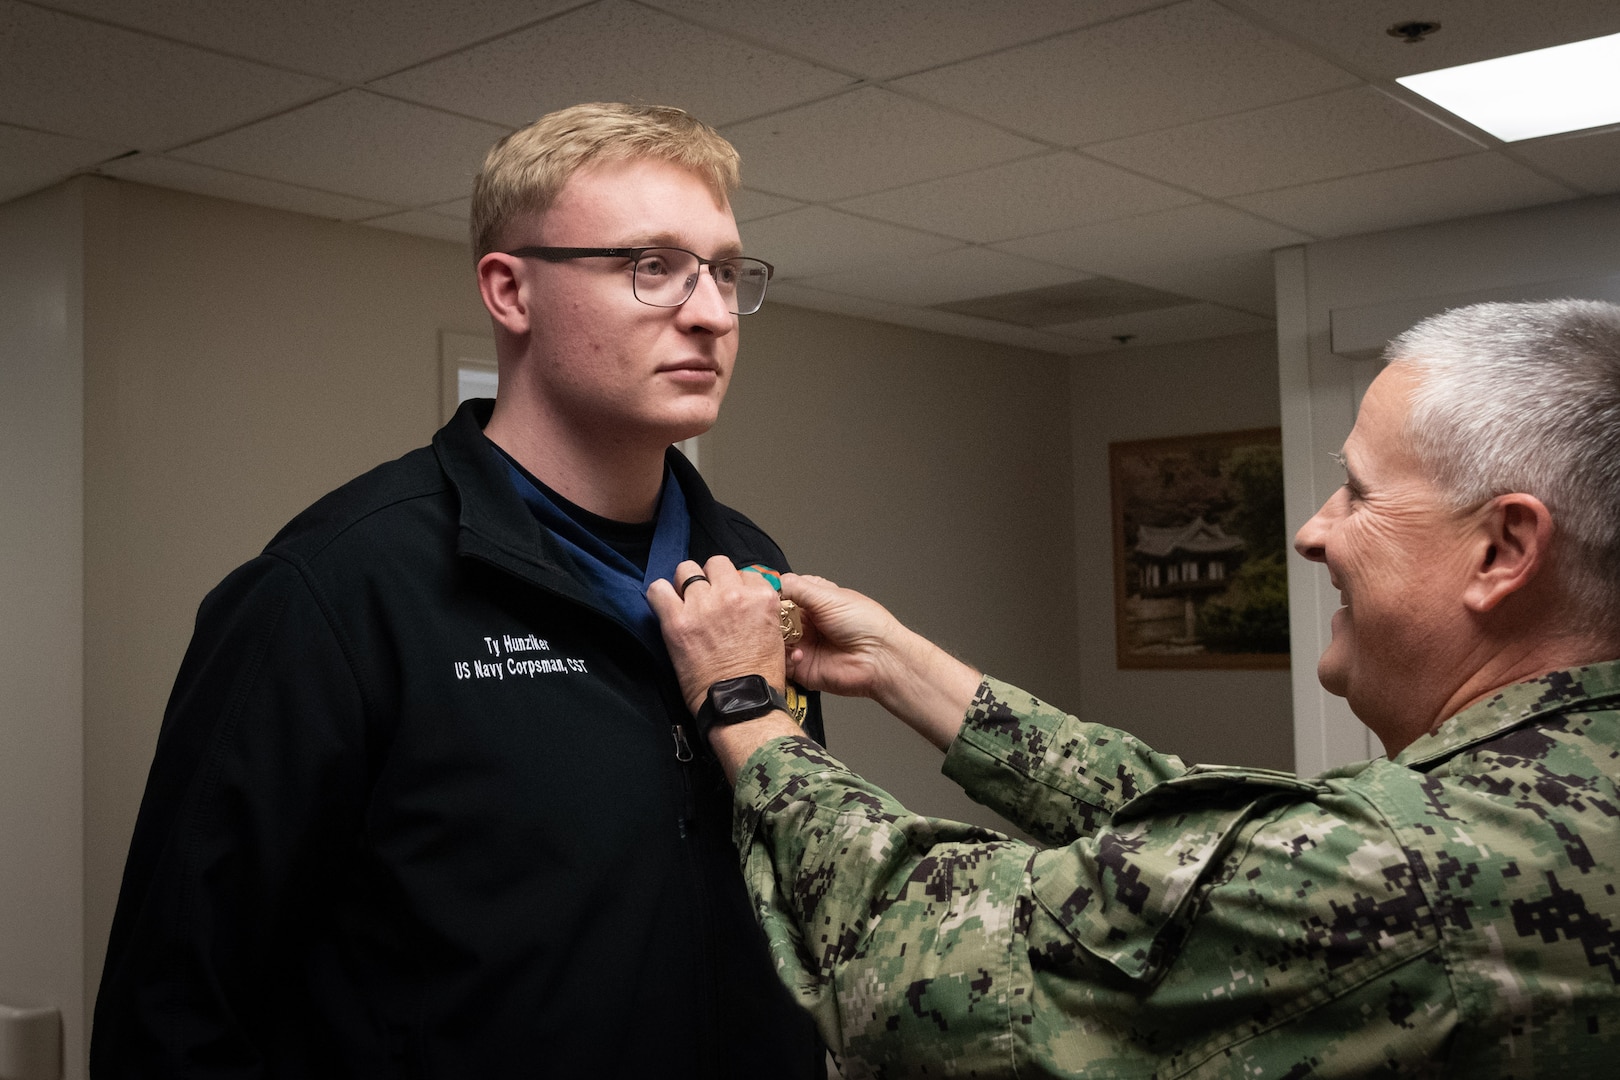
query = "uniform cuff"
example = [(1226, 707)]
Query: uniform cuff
[(996, 739), (774, 776)]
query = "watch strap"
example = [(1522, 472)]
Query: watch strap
[(733, 701)]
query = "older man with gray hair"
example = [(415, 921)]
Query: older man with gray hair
[(1447, 910)]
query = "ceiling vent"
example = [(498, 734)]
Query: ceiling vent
[(1075, 301)]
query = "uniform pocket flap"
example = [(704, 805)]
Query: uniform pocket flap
[(1216, 786), (1127, 894)]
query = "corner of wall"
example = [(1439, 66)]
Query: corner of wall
[(42, 659)]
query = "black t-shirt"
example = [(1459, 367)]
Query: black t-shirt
[(632, 539)]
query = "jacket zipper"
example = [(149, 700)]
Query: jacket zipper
[(683, 755), (522, 569)]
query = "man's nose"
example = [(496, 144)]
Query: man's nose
[(707, 305), (1311, 539)]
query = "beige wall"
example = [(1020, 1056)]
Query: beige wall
[(239, 362), (1228, 384), (929, 471)]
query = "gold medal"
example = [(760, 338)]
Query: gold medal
[(792, 623), (798, 704)]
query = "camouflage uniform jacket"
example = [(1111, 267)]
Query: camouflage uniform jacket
[(1448, 913)]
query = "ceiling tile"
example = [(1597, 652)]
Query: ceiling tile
[(351, 40), (1469, 29), (880, 41), (866, 140), (1129, 246), (1244, 99), (1056, 191), (1179, 63), (613, 51), (30, 160), (816, 240), (796, 295), (460, 209), (939, 279), (1167, 325), (1071, 301), (949, 322), (1246, 282), (942, 322), (1591, 162), (65, 75), (422, 223), (749, 205), (1337, 134), (1410, 195), (359, 144), (186, 176)]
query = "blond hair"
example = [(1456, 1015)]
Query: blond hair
[(524, 172)]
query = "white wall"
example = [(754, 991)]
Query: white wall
[(42, 929), (1228, 384), (1392, 279)]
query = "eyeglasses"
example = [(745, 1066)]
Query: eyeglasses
[(666, 277)]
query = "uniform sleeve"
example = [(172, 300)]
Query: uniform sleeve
[(883, 924), (250, 814), (1221, 915), (1051, 775)]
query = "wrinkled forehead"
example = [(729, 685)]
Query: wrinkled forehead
[(1381, 418)]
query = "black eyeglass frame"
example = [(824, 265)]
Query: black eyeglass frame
[(634, 254)]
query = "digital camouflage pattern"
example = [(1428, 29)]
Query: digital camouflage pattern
[(1452, 912)]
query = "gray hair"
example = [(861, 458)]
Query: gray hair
[(1526, 397)]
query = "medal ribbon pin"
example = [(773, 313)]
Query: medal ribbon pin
[(792, 621)]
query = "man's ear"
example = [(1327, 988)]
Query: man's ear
[(505, 291), (1514, 542)]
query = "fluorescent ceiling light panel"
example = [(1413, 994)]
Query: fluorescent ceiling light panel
[(1544, 92)]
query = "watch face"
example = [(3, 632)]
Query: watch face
[(741, 694)]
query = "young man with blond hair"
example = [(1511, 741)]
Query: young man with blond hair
[(426, 801)]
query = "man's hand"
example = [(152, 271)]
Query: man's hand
[(853, 646), (720, 624), (848, 641)]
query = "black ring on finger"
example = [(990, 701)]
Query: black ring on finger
[(681, 592)]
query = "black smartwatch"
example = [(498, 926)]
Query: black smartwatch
[(731, 701)]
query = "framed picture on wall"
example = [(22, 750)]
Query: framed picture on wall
[(1200, 549)]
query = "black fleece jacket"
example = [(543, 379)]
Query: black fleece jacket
[(418, 809)]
